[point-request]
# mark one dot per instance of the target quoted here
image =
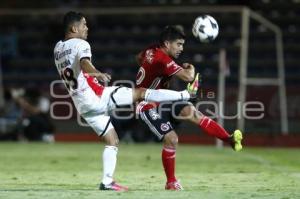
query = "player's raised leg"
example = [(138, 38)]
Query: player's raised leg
[(212, 128), (162, 95)]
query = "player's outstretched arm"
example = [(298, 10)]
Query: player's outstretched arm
[(89, 68), (187, 74)]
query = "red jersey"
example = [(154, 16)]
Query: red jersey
[(155, 71)]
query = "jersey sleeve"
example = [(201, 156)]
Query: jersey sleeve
[(169, 66), (84, 50)]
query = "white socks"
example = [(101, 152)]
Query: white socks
[(162, 95), (109, 163)]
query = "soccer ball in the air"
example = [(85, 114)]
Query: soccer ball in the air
[(205, 28)]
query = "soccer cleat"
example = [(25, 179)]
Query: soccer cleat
[(175, 186), (236, 140), (192, 87), (113, 187)]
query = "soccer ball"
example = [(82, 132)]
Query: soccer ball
[(205, 28)]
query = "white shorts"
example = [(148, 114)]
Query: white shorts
[(96, 109)]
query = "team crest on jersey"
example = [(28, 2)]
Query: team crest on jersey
[(154, 115), (149, 56), (164, 127)]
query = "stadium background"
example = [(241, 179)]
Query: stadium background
[(27, 42)]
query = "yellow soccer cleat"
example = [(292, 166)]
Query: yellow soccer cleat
[(236, 140), (192, 87)]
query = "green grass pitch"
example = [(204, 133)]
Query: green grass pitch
[(73, 170)]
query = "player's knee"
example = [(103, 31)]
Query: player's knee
[(174, 141), (116, 142), (192, 114), (171, 140), (113, 142), (111, 138)]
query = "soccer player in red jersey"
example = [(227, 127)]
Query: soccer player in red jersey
[(157, 67)]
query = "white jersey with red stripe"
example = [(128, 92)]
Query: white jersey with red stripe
[(92, 100), (67, 55)]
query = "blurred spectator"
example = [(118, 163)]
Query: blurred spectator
[(10, 118), (36, 123)]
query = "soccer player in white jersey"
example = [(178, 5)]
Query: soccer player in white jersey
[(92, 100)]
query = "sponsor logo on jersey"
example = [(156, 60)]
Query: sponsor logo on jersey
[(170, 64), (149, 56), (173, 64), (164, 127)]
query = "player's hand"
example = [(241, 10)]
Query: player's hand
[(188, 65), (104, 77)]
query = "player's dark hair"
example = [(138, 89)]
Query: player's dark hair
[(70, 18), (171, 33)]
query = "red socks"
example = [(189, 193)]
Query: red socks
[(168, 159), (212, 128)]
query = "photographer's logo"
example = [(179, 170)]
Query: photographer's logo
[(251, 110)]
